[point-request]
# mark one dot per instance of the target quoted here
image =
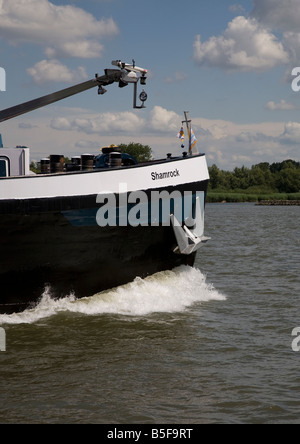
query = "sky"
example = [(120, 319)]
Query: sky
[(229, 63)]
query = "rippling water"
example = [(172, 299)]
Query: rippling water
[(204, 345)]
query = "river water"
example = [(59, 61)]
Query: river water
[(211, 344)]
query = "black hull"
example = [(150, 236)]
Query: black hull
[(42, 247)]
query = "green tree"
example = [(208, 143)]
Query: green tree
[(242, 176), (278, 166), (288, 180), (35, 167), (214, 174), (279, 177), (264, 166), (260, 176), (142, 153)]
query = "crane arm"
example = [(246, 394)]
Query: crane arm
[(111, 76)]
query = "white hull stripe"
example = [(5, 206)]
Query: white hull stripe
[(143, 177)]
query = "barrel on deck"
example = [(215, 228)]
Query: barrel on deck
[(57, 163), (87, 162), (115, 159), (45, 165)]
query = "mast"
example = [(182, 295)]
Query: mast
[(191, 135), (188, 123)]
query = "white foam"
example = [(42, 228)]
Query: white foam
[(165, 292)]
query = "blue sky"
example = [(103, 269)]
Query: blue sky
[(228, 62)]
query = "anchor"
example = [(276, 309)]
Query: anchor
[(191, 239)]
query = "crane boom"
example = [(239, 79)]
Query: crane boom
[(111, 76)]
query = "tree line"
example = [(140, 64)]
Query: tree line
[(279, 177)]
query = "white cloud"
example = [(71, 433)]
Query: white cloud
[(164, 120), (106, 123), (291, 41), (246, 45), (61, 124), (291, 134), (281, 106), (228, 144), (159, 120), (61, 30), (283, 16), (279, 14), (54, 71), (225, 143)]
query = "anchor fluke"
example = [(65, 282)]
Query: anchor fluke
[(191, 239)]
